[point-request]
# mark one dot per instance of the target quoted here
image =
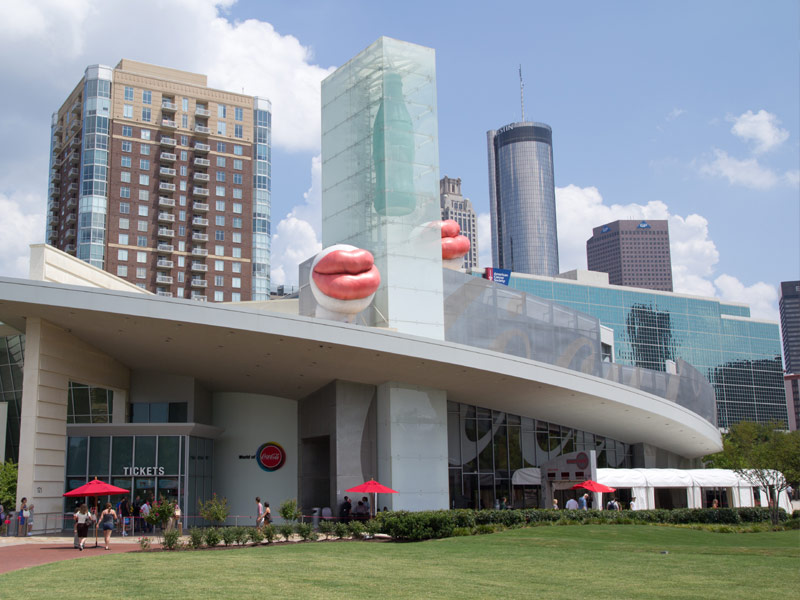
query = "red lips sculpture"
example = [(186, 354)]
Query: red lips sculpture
[(347, 274)]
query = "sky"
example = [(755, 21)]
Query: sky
[(679, 110)]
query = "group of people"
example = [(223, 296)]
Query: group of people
[(24, 517), (584, 503), (263, 513), (360, 512), (84, 518)]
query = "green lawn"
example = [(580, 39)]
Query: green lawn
[(593, 561)]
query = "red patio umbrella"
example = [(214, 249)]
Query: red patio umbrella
[(372, 487), (94, 489), (593, 486)]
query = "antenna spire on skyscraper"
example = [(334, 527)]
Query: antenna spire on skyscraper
[(521, 93)]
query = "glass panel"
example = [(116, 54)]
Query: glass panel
[(168, 488), (168, 454), (100, 404), (159, 412), (178, 412), (485, 446), (514, 449), (99, 448), (469, 446), (145, 487), (140, 413), (121, 455), (145, 451), (76, 456)]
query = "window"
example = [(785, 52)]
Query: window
[(146, 115), (124, 208), (237, 253), (127, 146), (142, 226), (237, 208), (144, 179), (183, 201), (141, 272), (125, 163), (141, 257), (222, 111), (181, 230), (124, 192), (220, 190), (222, 128), (220, 220), (141, 241), (219, 250), (185, 104), (238, 131), (237, 163), (147, 97), (144, 195), (184, 155), (181, 246), (182, 215), (125, 176), (182, 186), (127, 111), (127, 131), (180, 292), (236, 282), (219, 280), (219, 236), (236, 267), (238, 113), (144, 164), (220, 146), (237, 179), (237, 238), (181, 261), (221, 205), (128, 94), (122, 270), (236, 297), (237, 222), (220, 161), (219, 265), (219, 296), (237, 193), (143, 211), (144, 149), (220, 176), (181, 276), (145, 134), (184, 171), (123, 239), (237, 149), (185, 121), (122, 254), (184, 140)]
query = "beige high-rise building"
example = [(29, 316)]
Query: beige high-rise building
[(163, 181), (459, 209)]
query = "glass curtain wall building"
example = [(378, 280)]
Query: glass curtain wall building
[(12, 354), (740, 356), (522, 199), (262, 189)]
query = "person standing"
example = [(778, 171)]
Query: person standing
[(82, 520), (583, 502), (555, 503), (107, 519), (572, 504), (144, 511), (633, 503), (125, 515), (266, 518), (365, 500), (30, 520), (344, 512), (259, 512), (22, 517), (135, 513), (178, 517)]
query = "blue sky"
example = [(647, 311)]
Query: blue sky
[(679, 110)]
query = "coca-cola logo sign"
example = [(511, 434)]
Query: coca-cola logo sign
[(271, 456)]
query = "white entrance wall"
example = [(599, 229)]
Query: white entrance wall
[(250, 420)]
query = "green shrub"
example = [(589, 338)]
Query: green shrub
[(356, 529), (463, 531), (289, 511), (793, 523), (286, 530), (214, 510), (463, 518), (196, 538), (402, 525), (172, 539), (228, 535), (144, 543), (483, 529), (341, 530), (256, 535), (305, 531), (242, 535), (269, 532), (372, 527), (212, 536), (325, 528)]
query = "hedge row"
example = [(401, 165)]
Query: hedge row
[(412, 526)]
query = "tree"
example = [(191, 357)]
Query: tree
[(8, 485), (762, 454)]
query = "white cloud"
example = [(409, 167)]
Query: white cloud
[(18, 230), (761, 128), (675, 113), (484, 240), (694, 254), (747, 172)]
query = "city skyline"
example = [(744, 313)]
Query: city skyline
[(641, 129)]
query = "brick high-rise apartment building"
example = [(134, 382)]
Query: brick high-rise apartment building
[(633, 253), (163, 181), (459, 209)]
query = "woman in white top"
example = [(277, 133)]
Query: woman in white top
[(82, 520)]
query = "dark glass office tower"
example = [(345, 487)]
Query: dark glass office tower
[(523, 200)]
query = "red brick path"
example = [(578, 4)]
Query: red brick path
[(30, 555)]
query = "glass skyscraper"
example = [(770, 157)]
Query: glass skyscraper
[(522, 199)]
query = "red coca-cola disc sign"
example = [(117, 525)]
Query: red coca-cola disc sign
[(271, 456)]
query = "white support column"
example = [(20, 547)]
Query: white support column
[(412, 446)]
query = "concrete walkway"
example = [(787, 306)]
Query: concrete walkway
[(18, 552)]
